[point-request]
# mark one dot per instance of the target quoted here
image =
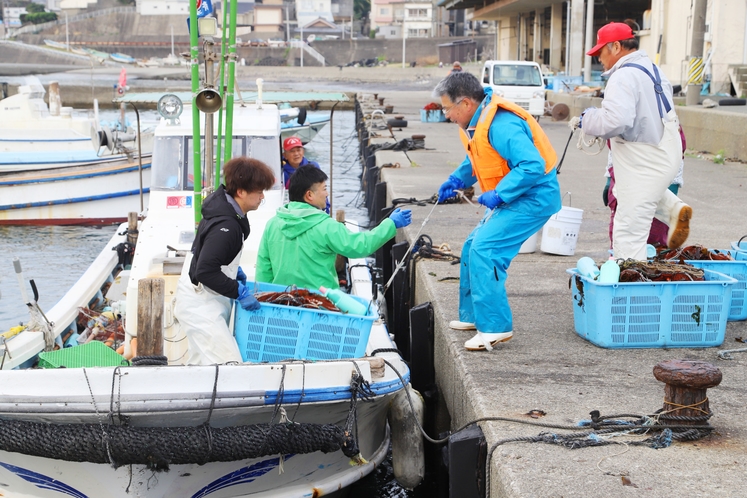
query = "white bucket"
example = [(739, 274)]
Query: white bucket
[(560, 233), (530, 245)]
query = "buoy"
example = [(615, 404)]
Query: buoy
[(408, 454)]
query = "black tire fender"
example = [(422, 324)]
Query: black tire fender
[(732, 102), (397, 123)]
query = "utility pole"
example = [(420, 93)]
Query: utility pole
[(404, 39), (287, 24), (67, 34), (695, 64), (589, 42)]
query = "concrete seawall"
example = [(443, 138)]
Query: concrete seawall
[(547, 366)]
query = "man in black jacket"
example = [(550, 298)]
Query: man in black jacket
[(204, 293)]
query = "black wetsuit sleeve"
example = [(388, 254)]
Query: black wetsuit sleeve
[(219, 248)]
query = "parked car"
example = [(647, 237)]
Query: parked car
[(275, 43), (258, 43)]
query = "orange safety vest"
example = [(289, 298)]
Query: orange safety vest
[(487, 165)]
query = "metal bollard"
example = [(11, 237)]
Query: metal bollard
[(685, 399)]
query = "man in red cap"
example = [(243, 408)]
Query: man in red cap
[(293, 158), (637, 116)]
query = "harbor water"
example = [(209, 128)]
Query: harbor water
[(55, 257)]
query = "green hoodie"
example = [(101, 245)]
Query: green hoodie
[(301, 242)]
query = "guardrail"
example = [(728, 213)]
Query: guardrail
[(309, 50), (35, 28)]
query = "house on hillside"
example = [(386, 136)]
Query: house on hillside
[(268, 17), (12, 16), (393, 18), (321, 28), (310, 10)]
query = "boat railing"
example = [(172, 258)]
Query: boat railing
[(36, 28), (309, 50)]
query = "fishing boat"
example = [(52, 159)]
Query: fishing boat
[(122, 58), (172, 429), (56, 44), (97, 54), (305, 130), (60, 167)]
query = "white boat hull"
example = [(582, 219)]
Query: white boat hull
[(238, 385), (315, 474), (94, 194)]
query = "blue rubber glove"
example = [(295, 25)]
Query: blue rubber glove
[(327, 206), (490, 199), (446, 191), (401, 218), (246, 299), (241, 276)]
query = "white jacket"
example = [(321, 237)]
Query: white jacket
[(629, 108)]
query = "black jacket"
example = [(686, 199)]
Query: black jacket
[(220, 236)]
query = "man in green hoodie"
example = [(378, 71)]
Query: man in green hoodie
[(301, 242)]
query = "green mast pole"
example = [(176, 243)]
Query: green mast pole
[(221, 91), (231, 73), (194, 63)]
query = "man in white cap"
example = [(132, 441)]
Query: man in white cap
[(637, 116)]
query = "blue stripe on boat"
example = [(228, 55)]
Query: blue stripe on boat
[(74, 200), (332, 393)]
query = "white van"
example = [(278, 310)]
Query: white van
[(518, 81)]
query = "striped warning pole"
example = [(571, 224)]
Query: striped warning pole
[(695, 71)]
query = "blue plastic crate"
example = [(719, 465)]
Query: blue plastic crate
[(652, 314), (436, 116), (565, 84), (740, 250), (275, 332), (736, 270)]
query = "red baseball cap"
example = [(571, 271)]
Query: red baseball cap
[(612, 32), (291, 143)]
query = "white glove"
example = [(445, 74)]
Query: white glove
[(574, 122)]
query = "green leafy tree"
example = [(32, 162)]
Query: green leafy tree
[(361, 8), (34, 8), (38, 17)]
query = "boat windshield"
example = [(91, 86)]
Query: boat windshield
[(171, 154), (516, 75)]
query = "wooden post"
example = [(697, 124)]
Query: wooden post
[(685, 391), (340, 260), (150, 299), (132, 228)]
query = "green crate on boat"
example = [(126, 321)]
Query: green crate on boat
[(92, 354)]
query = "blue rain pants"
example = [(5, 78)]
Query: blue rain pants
[(486, 255)]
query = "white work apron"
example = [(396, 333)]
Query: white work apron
[(643, 173), (203, 316)]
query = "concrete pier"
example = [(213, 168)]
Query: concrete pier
[(547, 366)]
